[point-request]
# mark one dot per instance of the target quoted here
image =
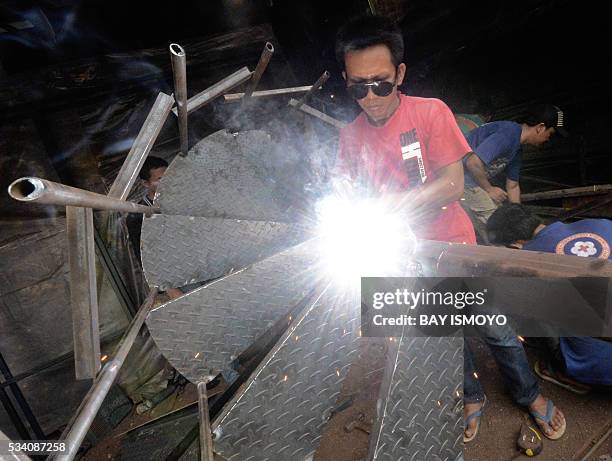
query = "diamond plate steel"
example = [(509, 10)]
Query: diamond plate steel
[(226, 175), (420, 409), (179, 250), (207, 328), (280, 412)]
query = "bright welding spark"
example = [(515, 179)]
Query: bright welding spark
[(475, 375), (521, 339), (103, 358), (362, 237)]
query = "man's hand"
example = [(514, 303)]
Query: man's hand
[(497, 194), (173, 293)]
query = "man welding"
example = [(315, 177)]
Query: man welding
[(403, 146), (411, 150)]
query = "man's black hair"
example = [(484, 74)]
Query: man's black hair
[(510, 223), (151, 163), (366, 31)]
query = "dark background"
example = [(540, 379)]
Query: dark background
[(494, 58)]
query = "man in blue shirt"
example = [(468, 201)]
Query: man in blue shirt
[(585, 360), (496, 148)]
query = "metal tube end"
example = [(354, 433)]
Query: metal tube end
[(270, 47), (177, 49), (26, 189)]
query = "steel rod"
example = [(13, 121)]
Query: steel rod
[(317, 85), (571, 192), (459, 260), (234, 97), (206, 448), (38, 190), (83, 291), (87, 411), (561, 213), (21, 400), (317, 113), (142, 146), (13, 415), (216, 90), (264, 59), (179, 70)]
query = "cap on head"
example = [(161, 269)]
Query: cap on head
[(549, 115)]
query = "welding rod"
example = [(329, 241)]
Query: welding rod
[(216, 90), (36, 190), (264, 59), (179, 70), (318, 84)]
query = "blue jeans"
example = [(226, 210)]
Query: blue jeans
[(511, 359)]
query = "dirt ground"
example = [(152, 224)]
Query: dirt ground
[(586, 416)]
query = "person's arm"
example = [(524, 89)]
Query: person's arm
[(514, 191), (174, 293), (445, 189), (476, 168)]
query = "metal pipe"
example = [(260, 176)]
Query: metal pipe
[(179, 70), (206, 448), (264, 59), (142, 146), (317, 85), (77, 429), (38, 190), (452, 259), (83, 291), (233, 97), (317, 113), (571, 192), (216, 90)]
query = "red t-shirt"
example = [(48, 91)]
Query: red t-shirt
[(419, 138)]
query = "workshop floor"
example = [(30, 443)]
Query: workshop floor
[(587, 416)]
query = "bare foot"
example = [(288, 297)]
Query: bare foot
[(539, 405), (468, 409)]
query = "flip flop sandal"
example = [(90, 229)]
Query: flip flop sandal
[(547, 419), (476, 414), (529, 441), (548, 373)]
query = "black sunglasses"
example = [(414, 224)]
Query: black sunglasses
[(379, 88)]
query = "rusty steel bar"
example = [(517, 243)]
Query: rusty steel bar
[(37, 190), (83, 291), (571, 192), (457, 260), (77, 429), (216, 90), (179, 70), (142, 146), (316, 113), (206, 446), (233, 97), (317, 85), (264, 59)]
